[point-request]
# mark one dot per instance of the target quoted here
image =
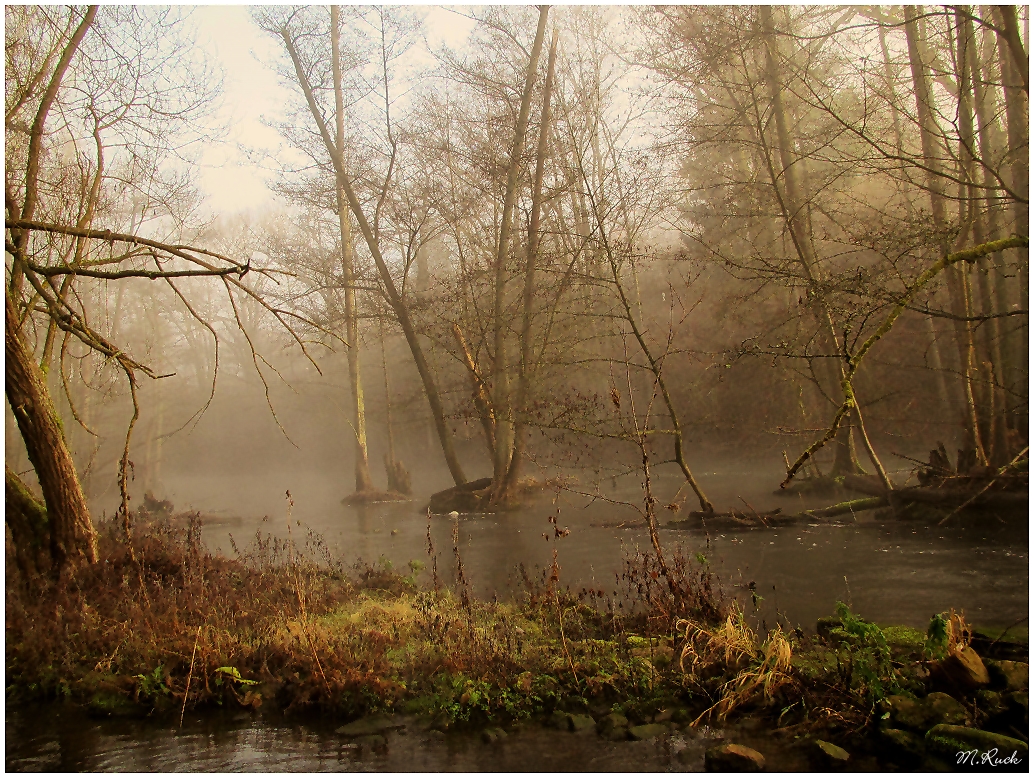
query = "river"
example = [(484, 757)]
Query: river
[(887, 570)]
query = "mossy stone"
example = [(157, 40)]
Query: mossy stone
[(904, 748), (1007, 675), (949, 741), (944, 709), (579, 722), (829, 756), (647, 731)]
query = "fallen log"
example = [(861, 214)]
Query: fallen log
[(842, 508), (945, 497), (776, 518), (955, 497)]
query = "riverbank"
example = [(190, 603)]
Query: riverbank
[(180, 629)]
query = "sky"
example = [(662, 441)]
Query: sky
[(232, 179)]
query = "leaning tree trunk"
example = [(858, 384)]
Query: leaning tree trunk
[(395, 299), (72, 537)]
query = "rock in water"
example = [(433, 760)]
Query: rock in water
[(647, 731), (581, 723), (559, 720), (613, 726), (962, 670), (1010, 676), (829, 756), (371, 725), (373, 742), (493, 735), (952, 742), (733, 758)]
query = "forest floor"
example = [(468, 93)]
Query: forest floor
[(281, 625)]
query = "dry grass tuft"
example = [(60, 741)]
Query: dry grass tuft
[(733, 646)]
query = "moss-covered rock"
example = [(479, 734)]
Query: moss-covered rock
[(942, 708), (905, 749), (1007, 675), (647, 731), (949, 742), (828, 756), (903, 712)]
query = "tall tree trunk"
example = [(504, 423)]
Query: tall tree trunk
[(395, 300), (363, 480), (1010, 52), (935, 187), (500, 367), (72, 537), (983, 405), (993, 283), (527, 367), (791, 200), (398, 476)]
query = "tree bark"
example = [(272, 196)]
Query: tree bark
[(1017, 160), (73, 540), (527, 368), (26, 518), (395, 300), (791, 201), (935, 186), (500, 368), (482, 402), (363, 479)]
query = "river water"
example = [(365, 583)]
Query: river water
[(60, 738), (887, 570)]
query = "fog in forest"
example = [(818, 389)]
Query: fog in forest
[(376, 253), (575, 388)]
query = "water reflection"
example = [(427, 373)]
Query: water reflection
[(60, 738), (889, 571)]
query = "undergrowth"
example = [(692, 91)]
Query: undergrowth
[(281, 623)]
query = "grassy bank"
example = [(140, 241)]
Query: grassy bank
[(168, 625)]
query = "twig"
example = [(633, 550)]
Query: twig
[(190, 673), (756, 514)]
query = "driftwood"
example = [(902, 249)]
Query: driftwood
[(776, 518), (942, 496)]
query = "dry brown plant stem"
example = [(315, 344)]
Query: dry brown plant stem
[(301, 600), (190, 674)]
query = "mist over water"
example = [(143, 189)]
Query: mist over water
[(888, 570)]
